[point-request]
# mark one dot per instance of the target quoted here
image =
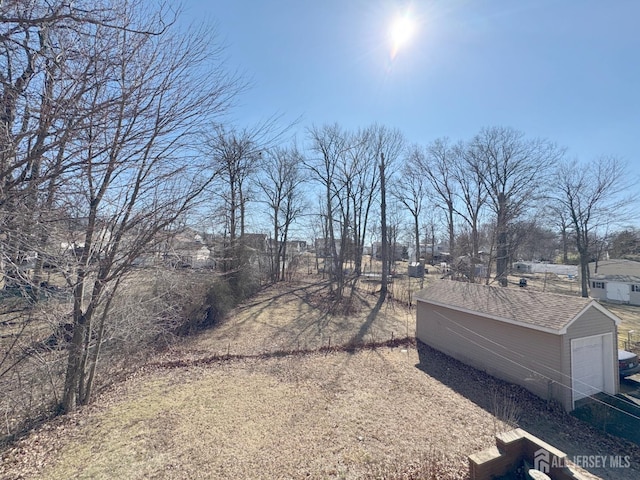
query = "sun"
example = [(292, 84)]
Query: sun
[(401, 31)]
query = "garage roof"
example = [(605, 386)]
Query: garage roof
[(548, 312)]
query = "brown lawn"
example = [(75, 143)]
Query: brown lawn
[(383, 413)]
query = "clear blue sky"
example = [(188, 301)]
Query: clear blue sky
[(567, 70)]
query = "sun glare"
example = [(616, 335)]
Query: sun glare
[(401, 32)]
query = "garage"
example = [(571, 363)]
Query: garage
[(562, 348), (618, 292), (589, 366)]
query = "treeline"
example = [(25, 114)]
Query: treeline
[(490, 198)]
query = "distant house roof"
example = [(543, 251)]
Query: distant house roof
[(548, 312), (619, 267)]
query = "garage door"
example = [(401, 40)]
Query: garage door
[(618, 291), (592, 365)]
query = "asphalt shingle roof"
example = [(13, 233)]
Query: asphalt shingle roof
[(540, 310)]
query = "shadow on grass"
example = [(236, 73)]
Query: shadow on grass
[(546, 421), (300, 331), (371, 317)]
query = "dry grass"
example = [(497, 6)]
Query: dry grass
[(629, 327), (298, 318), (384, 413), (317, 416)]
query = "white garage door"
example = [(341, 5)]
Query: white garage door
[(591, 365), (618, 291)]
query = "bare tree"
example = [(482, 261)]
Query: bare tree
[(235, 154), (559, 218), (625, 243), (472, 195), (410, 190), (134, 174), (529, 239), (431, 226), (347, 166), (592, 196), (439, 168), (281, 185), (512, 169), (385, 257), (41, 90), (388, 144), (363, 192), (330, 145)]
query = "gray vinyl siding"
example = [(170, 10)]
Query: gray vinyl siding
[(592, 322), (517, 354)]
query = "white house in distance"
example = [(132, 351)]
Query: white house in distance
[(560, 347), (615, 281)]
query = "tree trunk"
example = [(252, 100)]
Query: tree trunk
[(275, 254), (565, 246), (93, 359), (242, 211), (501, 243), (584, 273), (475, 247), (452, 238), (383, 228), (72, 378), (416, 231), (283, 247), (433, 244)]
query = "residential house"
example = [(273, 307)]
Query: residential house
[(615, 281)]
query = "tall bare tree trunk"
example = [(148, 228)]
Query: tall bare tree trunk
[(383, 228), (501, 243)]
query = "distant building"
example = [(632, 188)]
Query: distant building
[(257, 241), (521, 267), (615, 281), (397, 251), (439, 252), (296, 246), (323, 247), (184, 249)]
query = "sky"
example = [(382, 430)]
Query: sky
[(564, 70)]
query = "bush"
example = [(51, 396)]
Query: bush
[(204, 309)]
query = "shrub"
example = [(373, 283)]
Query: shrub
[(208, 304)]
